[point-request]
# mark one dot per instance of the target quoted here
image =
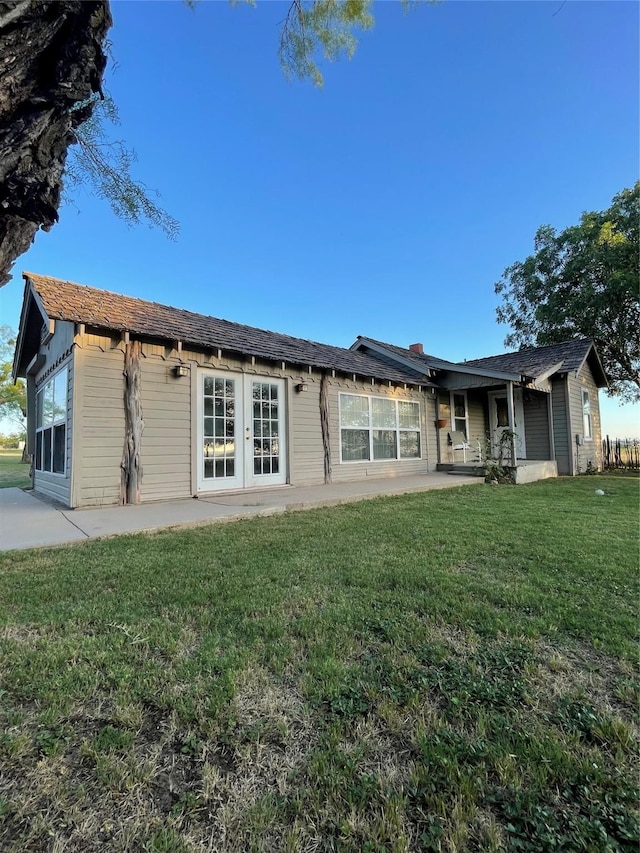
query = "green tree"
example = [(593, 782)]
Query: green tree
[(13, 395), (582, 282)]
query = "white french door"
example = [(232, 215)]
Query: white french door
[(241, 431)]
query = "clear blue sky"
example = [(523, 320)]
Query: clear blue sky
[(387, 203)]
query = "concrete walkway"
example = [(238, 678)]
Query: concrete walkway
[(28, 522)]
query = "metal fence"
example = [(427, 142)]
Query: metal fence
[(620, 453)]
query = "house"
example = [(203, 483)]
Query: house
[(129, 400)]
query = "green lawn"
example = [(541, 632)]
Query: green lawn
[(13, 472), (454, 670)]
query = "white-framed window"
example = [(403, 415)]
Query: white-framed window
[(51, 424), (459, 413), (378, 428), (587, 425)]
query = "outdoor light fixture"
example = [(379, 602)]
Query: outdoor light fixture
[(301, 386), (180, 370)]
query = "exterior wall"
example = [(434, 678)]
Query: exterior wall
[(561, 427), (591, 449), (169, 410), (536, 425), (58, 353)]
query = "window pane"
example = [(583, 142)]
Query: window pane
[(409, 445), (59, 442), (47, 410), (60, 396), (409, 415), (39, 408), (460, 426), (354, 411), (46, 449), (384, 444), (383, 413), (459, 408), (39, 451), (355, 444)]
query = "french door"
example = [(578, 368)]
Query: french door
[(241, 431)]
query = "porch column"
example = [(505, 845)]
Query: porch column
[(512, 421), (552, 442)]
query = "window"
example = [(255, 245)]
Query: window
[(378, 428), (51, 424), (586, 414), (459, 412)]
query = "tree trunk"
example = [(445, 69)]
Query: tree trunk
[(324, 424), (131, 469), (51, 59)]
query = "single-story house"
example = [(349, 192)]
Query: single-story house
[(129, 400)]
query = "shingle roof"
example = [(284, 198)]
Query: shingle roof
[(422, 359), (536, 360), (64, 300)]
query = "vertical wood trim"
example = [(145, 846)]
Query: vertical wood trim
[(131, 468), (324, 424), (573, 450), (196, 447), (552, 441), (512, 422)]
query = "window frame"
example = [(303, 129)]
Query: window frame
[(50, 424), (587, 417), (452, 408), (371, 429)]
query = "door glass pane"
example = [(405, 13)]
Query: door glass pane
[(219, 431), (266, 451), (502, 412)]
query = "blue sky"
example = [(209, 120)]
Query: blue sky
[(387, 203)]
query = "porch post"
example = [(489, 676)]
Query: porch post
[(552, 441), (512, 420)]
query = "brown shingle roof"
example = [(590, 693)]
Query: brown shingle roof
[(64, 300), (537, 360)]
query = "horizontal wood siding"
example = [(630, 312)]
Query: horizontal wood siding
[(306, 451), (100, 420), (536, 425), (561, 437), (350, 471), (166, 438), (591, 450)]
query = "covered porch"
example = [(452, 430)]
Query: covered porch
[(485, 418)]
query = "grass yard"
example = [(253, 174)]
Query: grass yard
[(13, 472), (447, 671)]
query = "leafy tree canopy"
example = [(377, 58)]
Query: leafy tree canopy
[(582, 282), (13, 396)]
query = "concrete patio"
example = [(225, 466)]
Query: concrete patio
[(28, 522)]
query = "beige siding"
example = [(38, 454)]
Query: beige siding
[(591, 450), (536, 425), (561, 431), (166, 439), (99, 421)]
